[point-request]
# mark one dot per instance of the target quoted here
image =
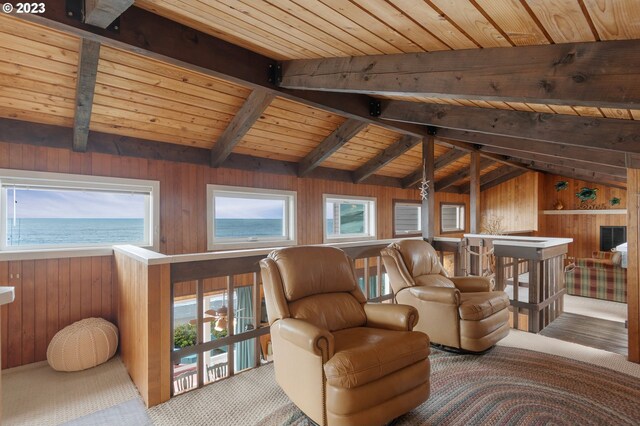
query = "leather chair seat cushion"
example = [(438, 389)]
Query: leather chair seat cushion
[(334, 311), (434, 280), (306, 271), (363, 355), (478, 306)]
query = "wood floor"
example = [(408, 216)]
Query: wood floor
[(594, 332)]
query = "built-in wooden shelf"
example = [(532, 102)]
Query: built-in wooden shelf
[(605, 211)]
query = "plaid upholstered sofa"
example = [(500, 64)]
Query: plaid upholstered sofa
[(599, 277)]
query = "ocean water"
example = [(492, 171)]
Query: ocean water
[(41, 232), (248, 228)]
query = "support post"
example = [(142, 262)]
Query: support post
[(428, 203), (633, 263), (474, 209)]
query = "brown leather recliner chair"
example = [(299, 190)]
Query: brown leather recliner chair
[(341, 360), (457, 312)]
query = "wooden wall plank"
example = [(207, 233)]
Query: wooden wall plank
[(633, 269)]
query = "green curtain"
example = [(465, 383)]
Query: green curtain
[(244, 351)]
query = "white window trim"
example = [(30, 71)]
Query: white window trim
[(74, 181), (461, 220), (408, 204), (372, 218), (291, 212)]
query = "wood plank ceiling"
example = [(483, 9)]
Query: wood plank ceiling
[(142, 97), (302, 29)]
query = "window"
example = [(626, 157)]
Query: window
[(407, 219), (451, 218), (239, 217), (55, 210), (351, 219)]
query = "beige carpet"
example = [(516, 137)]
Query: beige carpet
[(35, 394)]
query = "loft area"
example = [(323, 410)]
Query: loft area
[(153, 154)]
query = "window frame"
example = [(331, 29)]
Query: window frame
[(370, 216), (290, 219), (395, 202), (70, 182), (464, 218)]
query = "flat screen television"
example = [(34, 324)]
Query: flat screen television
[(612, 236)]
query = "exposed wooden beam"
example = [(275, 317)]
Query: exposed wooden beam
[(489, 177), (514, 173), (338, 138), (443, 160), (558, 161), (450, 180), (241, 123), (602, 133), (592, 155), (85, 86), (474, 193), (572, 172), (22, 132), (428, 210), (101, 13), (152, 36), (404, 144), (591, 74)]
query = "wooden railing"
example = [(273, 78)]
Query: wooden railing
[(157, 369), (530, 270)]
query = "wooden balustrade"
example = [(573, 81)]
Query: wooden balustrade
[(160, 282), (531, 271)]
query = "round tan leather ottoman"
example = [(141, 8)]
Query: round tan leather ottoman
[(83, 344)]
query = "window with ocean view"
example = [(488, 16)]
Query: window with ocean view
[(51, 210), (241, 217), (350, 218)]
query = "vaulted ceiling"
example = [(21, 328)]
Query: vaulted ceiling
[(143, 95)]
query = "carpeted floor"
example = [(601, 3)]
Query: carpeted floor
[(510, 386), (35, 394)]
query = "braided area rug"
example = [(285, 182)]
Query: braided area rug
[(510, 386)]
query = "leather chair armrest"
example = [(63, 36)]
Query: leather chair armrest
[(391, 317), (450, 296), (307, 336), (472, 284)]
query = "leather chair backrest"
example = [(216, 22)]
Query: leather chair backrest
[(316, 284), (414, 263), (419, 257)]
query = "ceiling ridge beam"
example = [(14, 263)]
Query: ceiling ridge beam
[(445, 159), (85, 87), (336, 140), (573, 172), (558, 161), (603, 133), (451, 179), (598, 74), (255, 104), (404, 144), (101, 13), (592, 155)]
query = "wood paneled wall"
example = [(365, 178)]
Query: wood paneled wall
[(144, 317), (633, 274), (583, 228), (51, 294), (515, 201), (47, 292)]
